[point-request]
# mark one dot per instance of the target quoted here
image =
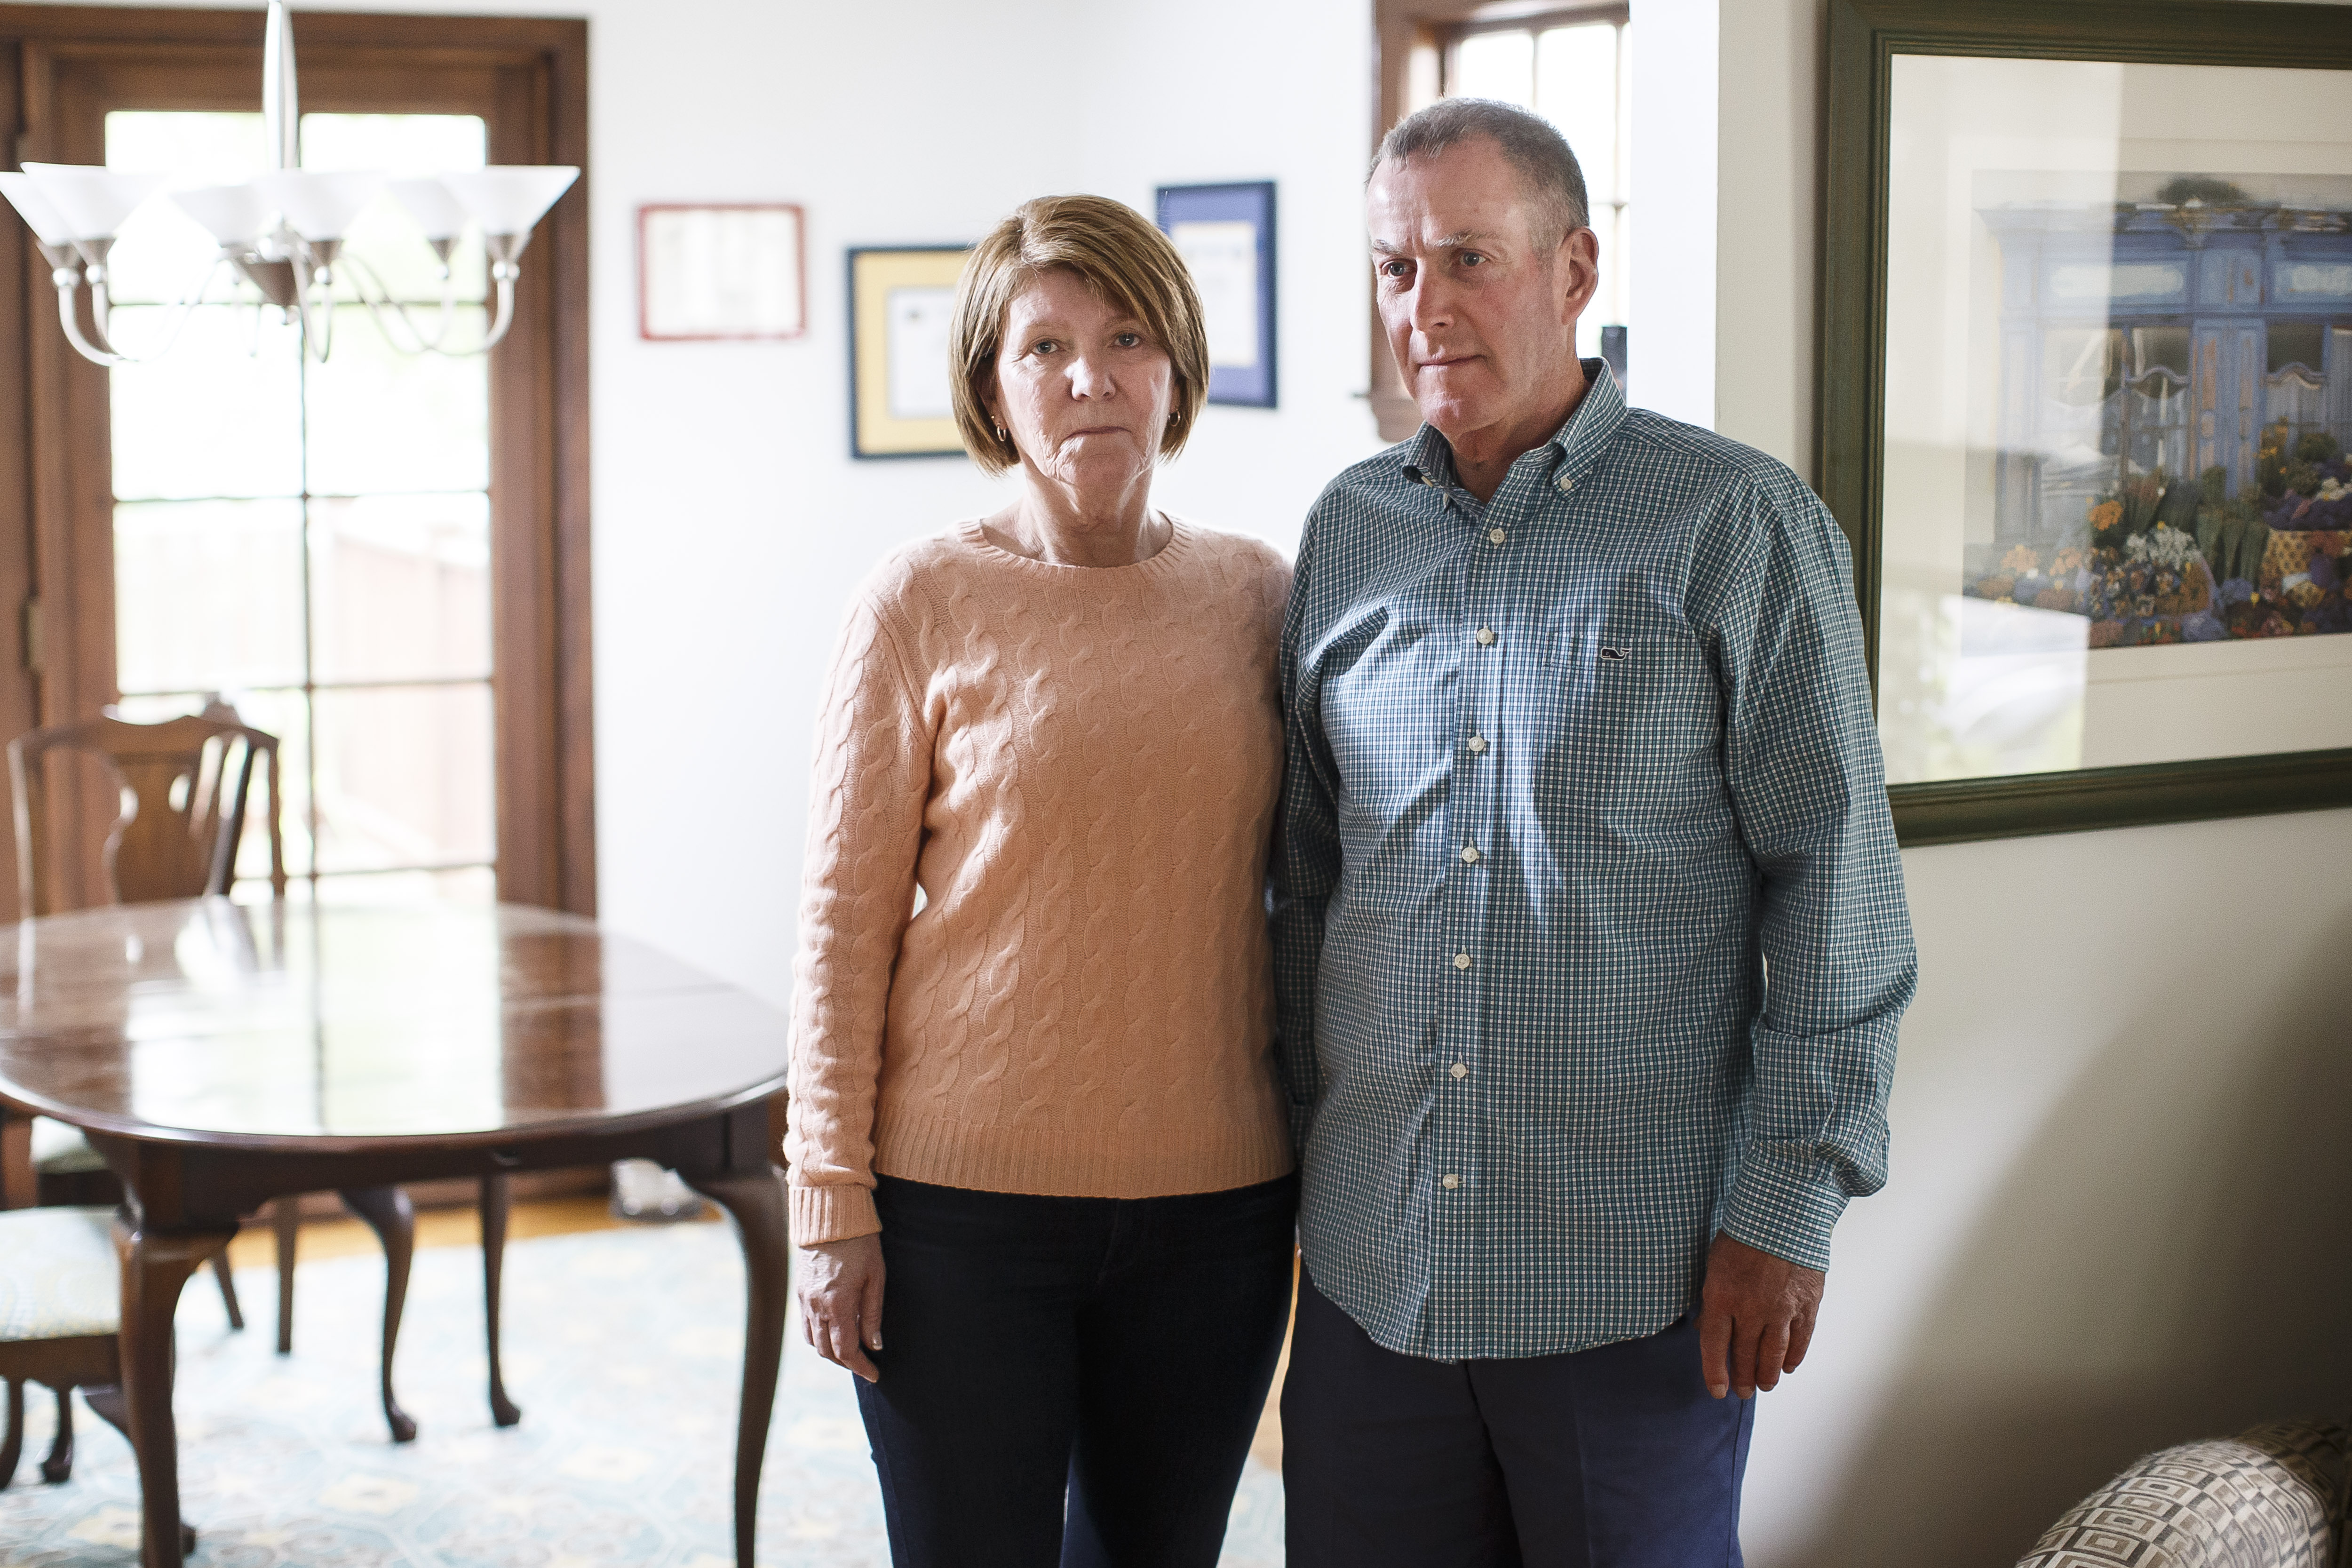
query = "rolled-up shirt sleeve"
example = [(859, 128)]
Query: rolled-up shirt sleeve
[(868, 786), (1808, 787)]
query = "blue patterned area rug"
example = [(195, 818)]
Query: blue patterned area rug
[(622, 1351)]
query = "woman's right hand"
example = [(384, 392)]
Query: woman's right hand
[(841, 1302)]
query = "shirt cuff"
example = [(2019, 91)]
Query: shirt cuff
[(832, 1214), (1786, 1205)]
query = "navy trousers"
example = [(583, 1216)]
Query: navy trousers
[(1609, 1458), (1072, 1381)]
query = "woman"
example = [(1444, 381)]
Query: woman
[(1034, 1123)]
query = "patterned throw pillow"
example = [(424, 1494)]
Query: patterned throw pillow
[(2266, 1499)]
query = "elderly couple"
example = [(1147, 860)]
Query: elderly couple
[(1559, 1044)]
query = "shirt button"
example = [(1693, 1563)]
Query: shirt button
[(1469, 853), (1461, 961), (1485, 637), (1449, 1181), (1458, 1070), (1477, 743), (1495, 536)]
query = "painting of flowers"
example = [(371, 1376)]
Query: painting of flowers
[(2158, 560), (2177, 397)]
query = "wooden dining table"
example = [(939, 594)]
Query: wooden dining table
[(220, 1055)]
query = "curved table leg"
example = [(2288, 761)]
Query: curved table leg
[(756, 1199), (496, 1194), (106, 1401), (393, 1217), (154, 1267), (286, 1219)]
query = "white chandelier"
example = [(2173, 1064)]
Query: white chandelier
[(283, 231)]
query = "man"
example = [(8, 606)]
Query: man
[(1579, 748)]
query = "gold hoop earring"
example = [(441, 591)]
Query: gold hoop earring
[(1001, 436)]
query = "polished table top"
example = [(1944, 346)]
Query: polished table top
[(295, 1025)]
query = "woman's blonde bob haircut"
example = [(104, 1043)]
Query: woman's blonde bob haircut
[(1126, 261)]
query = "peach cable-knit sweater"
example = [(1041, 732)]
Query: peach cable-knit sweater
[(1077, 766)]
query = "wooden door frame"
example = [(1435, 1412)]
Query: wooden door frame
[(55, 490), (1409, 39)]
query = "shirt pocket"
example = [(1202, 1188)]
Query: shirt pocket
[(1639, 724)]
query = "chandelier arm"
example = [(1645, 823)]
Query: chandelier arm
[(318, 339), (363, 277), (104, 351), (70, 318), (505, 321)]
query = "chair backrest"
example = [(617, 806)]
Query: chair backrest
[(183, 786)]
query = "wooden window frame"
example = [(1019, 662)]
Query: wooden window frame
[(57, 498), (1413, 43)]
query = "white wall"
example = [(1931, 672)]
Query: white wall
[(1670, 351), (729, 524), (2122, 1176), (1177, 99)]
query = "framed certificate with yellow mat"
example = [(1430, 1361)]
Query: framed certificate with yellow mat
[(900, 297)]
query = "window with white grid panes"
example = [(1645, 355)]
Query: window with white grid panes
[(312, 541), (1575, 68)]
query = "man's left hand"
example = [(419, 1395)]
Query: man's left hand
[(1755, 1313)]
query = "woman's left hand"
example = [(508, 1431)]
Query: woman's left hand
[(841, 1302)]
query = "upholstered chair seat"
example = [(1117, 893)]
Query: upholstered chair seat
[(60, 1312), (59, 1149), (58, 1277)]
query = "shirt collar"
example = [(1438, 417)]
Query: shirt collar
[(1579, 442)]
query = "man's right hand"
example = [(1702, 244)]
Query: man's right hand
[(841, 1302)]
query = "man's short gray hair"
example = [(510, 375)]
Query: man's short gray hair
[(1555, 182)]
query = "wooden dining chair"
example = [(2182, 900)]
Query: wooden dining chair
[(60, 1291), (183, 786)]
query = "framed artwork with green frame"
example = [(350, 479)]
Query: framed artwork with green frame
[(2086, 400)]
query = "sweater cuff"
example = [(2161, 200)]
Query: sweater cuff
[(832, 1214), (1785, 1205)]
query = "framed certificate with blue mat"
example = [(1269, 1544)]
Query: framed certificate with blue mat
[(1225, 234)]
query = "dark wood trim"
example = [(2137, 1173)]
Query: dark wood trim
[(1864, 38), (425, 38), (1540, 16), (1405, 31), (23, 278), (72, 462), (565, 265), (53, 417), (1401, 30), (2033, 803)]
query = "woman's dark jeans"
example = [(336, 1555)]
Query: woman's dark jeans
[(1112, 1354)]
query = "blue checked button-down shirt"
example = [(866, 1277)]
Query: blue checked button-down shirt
[(1569, 774)]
